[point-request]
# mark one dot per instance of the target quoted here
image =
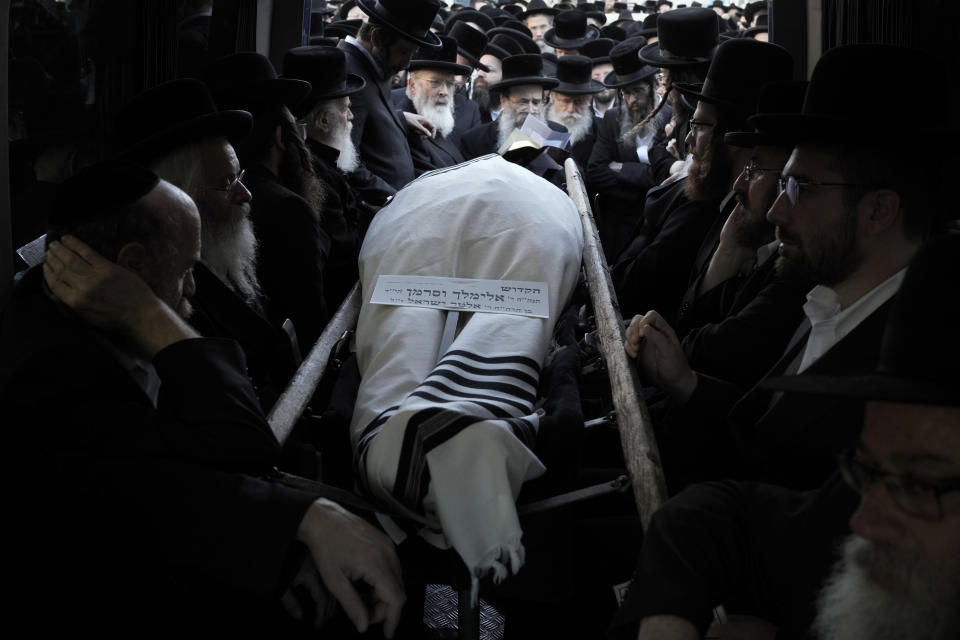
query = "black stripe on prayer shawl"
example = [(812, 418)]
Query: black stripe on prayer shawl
[(494, 410), (524, 430), (527, 362), (507, 373), (456, 393), (485, 385)]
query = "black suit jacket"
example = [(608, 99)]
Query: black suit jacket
[(482, 140), (292, 255), (379, 130), (165, 514)]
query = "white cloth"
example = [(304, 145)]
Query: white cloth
[(829, 323), (451, 440)]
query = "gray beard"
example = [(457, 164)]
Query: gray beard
[(440, 117), (853, 606), (348, 160), (507, 122), (578, 125), (229, 249)]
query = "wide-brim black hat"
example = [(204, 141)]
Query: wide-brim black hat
[(502, 46), (686, 39), (239, 79), (627, 67), (442, 59), (171, 115), (524, 41), (574, 76), (539, 6), (571, 31), (483, 21), (325, 69), (343, 28), (599, 16), (776, 97), (843, 102), (920, 353), (739, 70), (412, 19), (524, 69), (470, 43), (598, 50)]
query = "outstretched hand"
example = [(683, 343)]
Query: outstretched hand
[(423, 126), (350, 553), (655, 345), (110, 297)]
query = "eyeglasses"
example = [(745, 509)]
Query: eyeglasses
[(697, 126), (435, 84), (753, 170), (636, 91), (912, 495), (232, 182), (792, 186), (529, 102), (565, 100)]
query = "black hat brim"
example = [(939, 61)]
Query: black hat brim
[(566, 45), (353, 84), (630, 78), (475, 61), (287, 91), (440, 65), (231, 124), (757, 139), (495, 51), (651, 54), (543, 81), (694, 90), (599, 16), (429, 39), (578, 89), (550, 11), (876, 386)]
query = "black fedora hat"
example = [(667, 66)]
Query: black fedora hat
[(470, 43), (571, 31), (502, 46), (239, 79), (325, 69), (514, 10), (525, 42), (686, 39), (598, 50), (613, 32), (627, 67), (776, 97), (97, 192), (524, 69), (343, 28), (483, 21), (171, 115), (539, 6), (649, 25), (412, 19), (843, 102), (753, 9), (513, 26), (920, 353), (442, 59), (739, 69), (574, 76)]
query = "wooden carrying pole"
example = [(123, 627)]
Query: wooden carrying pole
[(291, 403), (633, 421)]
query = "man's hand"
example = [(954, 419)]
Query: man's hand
[(308, 578), (111, 297), (659, 355), (348, 552), (730, 254), (423, 126), (616, 166)]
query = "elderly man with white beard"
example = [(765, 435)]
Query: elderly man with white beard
[(571, 104), (522, 92), (176, 131), (326, 120), (430, 93)]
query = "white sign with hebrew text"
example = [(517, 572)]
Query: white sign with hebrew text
[(513, 297)]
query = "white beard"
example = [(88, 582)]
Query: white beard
[(578, 124), (229, 248), (508, 121), (439, 116), (348, 159), (854, 606)]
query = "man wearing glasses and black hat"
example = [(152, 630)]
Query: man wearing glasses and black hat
[(384, 45)]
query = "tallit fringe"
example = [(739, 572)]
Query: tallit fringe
[(512, 553)]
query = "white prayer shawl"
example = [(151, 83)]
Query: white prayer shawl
[(449, 442)]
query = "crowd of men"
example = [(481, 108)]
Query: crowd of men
[(780, 251)]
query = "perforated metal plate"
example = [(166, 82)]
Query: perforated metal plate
[(440, 613)]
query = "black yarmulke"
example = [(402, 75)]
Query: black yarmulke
[(99, 191)]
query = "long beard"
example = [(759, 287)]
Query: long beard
[(577, 124), (298, 175), (481, 95), (229, 248), (630, 120), (709, 175), (925, 604), (439, 116), (348, 160), (508, 121)]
